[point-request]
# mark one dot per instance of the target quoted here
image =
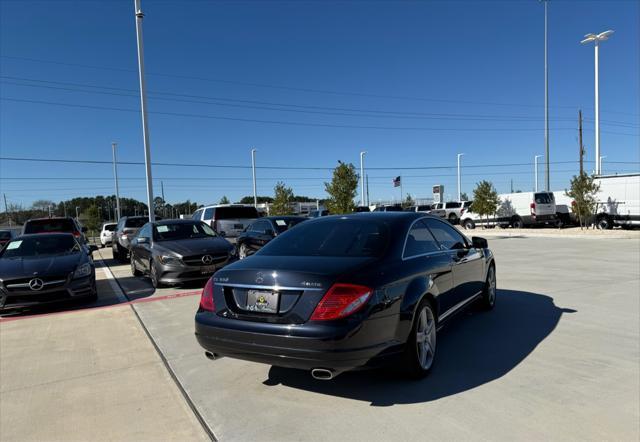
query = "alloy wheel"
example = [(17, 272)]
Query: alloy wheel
[(426, 338)]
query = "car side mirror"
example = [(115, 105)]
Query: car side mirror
[(84, 229), (479, 243)]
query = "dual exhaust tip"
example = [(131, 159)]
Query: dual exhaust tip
[(321, 374)]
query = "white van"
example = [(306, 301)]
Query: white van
[(618, 201), (517, 210)]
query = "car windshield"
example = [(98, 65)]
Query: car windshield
[(40, 246), (236, 212), (286, 223), (178, 231), (49, 225), (136, 223), (336, 237)]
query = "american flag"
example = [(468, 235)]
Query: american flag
[(396, 182)]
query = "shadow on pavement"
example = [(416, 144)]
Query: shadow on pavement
[(474, 349)]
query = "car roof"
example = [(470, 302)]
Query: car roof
[(46, 218), (176, 221), (273, 217), (40, 235)]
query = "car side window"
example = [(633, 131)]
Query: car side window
[(145, 232), (447, 236), (197, 214), (208, 213), (260, 227), (419, 241)]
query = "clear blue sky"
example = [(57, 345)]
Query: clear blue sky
[(414, 82)]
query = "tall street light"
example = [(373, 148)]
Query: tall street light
[(362, 192), (535, 170), (459, 197), (115, 178), (143, 106), (602, 157), (547, 178), (597, 39), (253, 169)]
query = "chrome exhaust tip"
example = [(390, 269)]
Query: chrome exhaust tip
[(211, 356), (322, 374)]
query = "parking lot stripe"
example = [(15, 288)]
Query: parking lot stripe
[(112, 281)]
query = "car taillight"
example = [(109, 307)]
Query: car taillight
[(533, 208), (76, 234), (340, 301), (206, 299)]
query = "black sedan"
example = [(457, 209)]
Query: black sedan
[(263, 230), (177, 251), (346, 292), (44, 268)]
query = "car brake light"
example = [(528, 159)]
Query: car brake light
[(76, 234), (206, 300), (340, 301), (533, 208)]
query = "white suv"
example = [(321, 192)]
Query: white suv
[(106, 235), (228, 220), (451, 211)]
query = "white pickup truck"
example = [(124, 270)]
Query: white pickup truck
[(451, 211)]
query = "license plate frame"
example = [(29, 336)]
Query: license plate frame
[(263, 301), (205, 270)]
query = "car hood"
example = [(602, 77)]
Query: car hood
[(186, 247), (11, 268)]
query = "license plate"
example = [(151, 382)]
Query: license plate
[(262, 301), (207, 269)]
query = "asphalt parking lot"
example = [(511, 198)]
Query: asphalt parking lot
[(558, 358)]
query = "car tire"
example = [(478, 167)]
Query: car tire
[(517, 223), (453, 219), (420, 350), (469, 224), (243, 251), (153, 275), (603, 222), (489, 292), (134, 269)]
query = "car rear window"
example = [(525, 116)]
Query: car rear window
[(331, 237), (5, 235), (136, 222), (543, 198), (235, 213), (50, 225), (110, 227), (393, 209), (284, 224), (453, 205)]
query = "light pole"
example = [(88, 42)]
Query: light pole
[(362, 194), (77, 214), (597, 39), (602, 157), (459, 155), (143, 106), (535, 170), (547, 178), (253, 169), (115, 177)]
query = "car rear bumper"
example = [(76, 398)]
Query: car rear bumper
[(75, 289), (336, 348)]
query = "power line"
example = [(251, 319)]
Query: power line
[(335, 111)]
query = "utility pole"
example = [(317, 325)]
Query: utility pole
[(115, 178), (143, 106), (367, 190), (535, 170), (77, 214), (459, 155), (581, 152), (547, 178), (6, 208), (164, 202), (362, 194), (253, 169), (511, 185)]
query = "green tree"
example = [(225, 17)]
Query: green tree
[(92, 219), (282, 200), (224, 200), (583, 191), (485, 199), (342, 189), (261, 199), (408, 202), (464, 197)]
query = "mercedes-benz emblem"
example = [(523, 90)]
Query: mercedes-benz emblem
[(36, 284), (259, 278), (207, 260)]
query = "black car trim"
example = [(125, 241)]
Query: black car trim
[(458, 306), (269, 287)]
